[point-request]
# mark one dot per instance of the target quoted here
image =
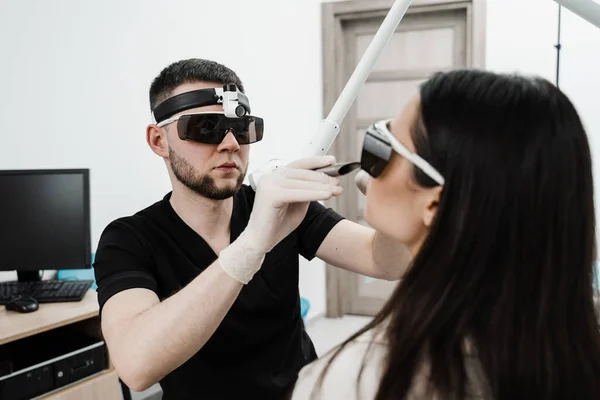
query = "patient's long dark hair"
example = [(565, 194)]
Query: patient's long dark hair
[(508, 262)]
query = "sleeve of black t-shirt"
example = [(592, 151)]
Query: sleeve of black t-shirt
[(315, 227), (122, 262)]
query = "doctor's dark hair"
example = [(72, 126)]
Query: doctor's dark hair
[(508, 264), (190, 71)]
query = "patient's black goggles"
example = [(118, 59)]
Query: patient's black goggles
[(378, 146), (212, 127)]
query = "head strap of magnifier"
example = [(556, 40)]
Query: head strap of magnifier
[(235, 103)]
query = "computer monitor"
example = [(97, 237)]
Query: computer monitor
[(44, 221)]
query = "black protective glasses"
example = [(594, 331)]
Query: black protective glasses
[(377, 152), (212, 127)]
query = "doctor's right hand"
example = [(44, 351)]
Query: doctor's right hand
[(283, 197), (280, 205)]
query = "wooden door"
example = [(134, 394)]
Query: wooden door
[(428, 40)]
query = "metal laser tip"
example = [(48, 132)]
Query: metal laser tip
[(339, 169)]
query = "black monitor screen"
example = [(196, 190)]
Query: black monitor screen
[(44, 220)]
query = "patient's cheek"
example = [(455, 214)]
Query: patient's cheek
[(394, 212)]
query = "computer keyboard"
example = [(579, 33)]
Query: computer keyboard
[(48, 291)]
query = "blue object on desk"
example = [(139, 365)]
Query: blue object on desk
[(78, 274), (597, 275), (304, 307)]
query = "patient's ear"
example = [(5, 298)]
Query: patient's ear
[(157, 140), (431, 204)]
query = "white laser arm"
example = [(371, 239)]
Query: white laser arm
[(330, 127), (586, 9)]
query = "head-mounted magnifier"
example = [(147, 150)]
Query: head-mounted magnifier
[(211, 127)]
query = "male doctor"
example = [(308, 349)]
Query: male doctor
[(199, 291)]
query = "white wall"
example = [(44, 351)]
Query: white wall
[(580, 79), (74, 79), (520, 36)]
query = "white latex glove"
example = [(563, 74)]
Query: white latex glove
[(280, 205), (283, 197), (361, 179)]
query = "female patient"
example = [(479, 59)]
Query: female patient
[(487, 179)]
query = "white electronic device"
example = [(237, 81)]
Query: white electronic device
[(589, 10), (329, 128)]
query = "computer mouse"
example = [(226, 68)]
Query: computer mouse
[(22, 304)]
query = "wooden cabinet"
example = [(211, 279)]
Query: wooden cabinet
[(83, 314)]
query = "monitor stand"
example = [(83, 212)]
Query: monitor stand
[(28, 276)]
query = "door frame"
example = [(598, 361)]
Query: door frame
[(334, 14)]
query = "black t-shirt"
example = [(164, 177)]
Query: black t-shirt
[(258, 349)]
